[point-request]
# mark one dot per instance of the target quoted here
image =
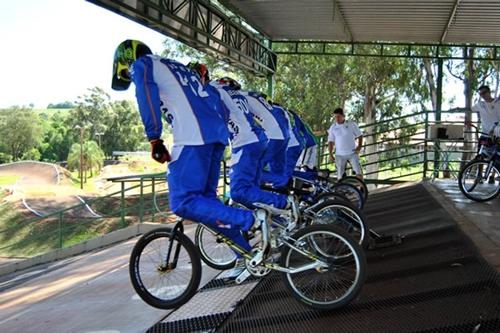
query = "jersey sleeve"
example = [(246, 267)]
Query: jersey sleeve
[(227, 101), (148, 99)]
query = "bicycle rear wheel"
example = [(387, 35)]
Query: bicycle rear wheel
[(344, 215), (478, 181), (341, 275), (351, 192), (358, 183), (165, 283), (213, 251)]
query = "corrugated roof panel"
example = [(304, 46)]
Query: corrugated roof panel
[(475, 21)]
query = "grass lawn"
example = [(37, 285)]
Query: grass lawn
[(8, 180)]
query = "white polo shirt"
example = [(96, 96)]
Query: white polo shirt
[(344, 135), (489, 113)]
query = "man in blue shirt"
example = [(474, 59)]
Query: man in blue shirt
[(199, 125)]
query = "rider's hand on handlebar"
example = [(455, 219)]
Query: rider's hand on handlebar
[(159, 152)]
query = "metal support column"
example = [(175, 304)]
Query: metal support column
[(122, 205), (439, 102), (270, 86), (426, 158), (270, 78), (439, 88), (141, 202)]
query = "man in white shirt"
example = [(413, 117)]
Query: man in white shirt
[(342, 135), (488, 109)]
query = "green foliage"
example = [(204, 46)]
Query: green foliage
[(20, 131), (63, 105), (91, 156), (57, 138), (124, 129), (116, 125)]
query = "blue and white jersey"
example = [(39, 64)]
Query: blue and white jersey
[(295, 139), (242, 127), (279, 114), (195, 113), (303, 131), (262, 112)]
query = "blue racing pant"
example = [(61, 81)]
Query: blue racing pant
[(193, 175), (245, 174), (274, 163), (292, 156)]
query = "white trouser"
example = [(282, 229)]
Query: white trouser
[(341, 161)]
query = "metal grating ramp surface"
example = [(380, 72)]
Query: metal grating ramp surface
[(436, 281)]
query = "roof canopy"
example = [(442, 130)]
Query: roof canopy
[(421, 21), (241, 35)]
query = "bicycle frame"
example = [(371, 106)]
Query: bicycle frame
[(317, 264)]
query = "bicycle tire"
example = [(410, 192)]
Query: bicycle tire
[(351, 192), (358, 183), (348, 215), (207, 256), (136, 277), (338, 236), (469, 192)]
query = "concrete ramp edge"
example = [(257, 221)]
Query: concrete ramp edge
[(92, 244)]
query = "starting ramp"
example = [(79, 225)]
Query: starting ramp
[(435, 281)]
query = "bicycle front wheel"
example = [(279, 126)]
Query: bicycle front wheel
[(479, 181), (162, 281), (341, 272)]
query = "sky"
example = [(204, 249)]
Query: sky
[(54, 50)]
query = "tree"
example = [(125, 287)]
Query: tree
[(92, 158), (62, 105), (383, 86), (91, 112), (20, 132), (57, 138), (472, 74), (124, 129)]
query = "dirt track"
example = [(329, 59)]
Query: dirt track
[(43, 189)]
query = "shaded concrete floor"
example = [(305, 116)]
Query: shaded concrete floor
[(87, 293), (479, 220)]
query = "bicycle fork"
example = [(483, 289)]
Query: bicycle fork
[(168, 266)]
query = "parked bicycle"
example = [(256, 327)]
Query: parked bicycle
[(479, 180)]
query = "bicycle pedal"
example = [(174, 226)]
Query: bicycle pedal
[(243, 276), (384, 241)]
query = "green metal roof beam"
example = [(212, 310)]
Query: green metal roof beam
[(380, 49), (200, 25)]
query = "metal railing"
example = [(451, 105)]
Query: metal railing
[(402, 148), (396, 150)]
